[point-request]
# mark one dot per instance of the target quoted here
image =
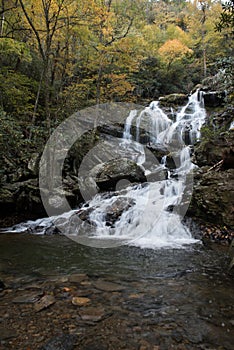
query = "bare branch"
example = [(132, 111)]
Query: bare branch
[(34, 30)]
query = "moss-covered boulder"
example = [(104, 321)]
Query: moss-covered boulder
[(173, 100), (213, 197)]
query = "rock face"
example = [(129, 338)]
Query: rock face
[(213, 197), (214, 98), (211, 151), (213, 194), (119, 169)]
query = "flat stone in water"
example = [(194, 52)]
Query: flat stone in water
[(44, 302), (77, 278), (108, 286), (62, 342), (7, 333), (27, 298), (92, 314)]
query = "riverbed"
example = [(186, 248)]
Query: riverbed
[(116, 298)]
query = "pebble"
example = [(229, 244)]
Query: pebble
[(80, 301)]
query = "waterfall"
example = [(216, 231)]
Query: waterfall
[(152, 216)]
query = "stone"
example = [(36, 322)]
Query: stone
[(92, 314), (27, 298), (112, 212), (108, 286), (2, 286), (44, 302), (6, 333), (80, 301), (214, 98), (212, 201), (173, 100), (77, 278), (61, 342), (118, 169)]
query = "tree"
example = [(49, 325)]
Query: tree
[(172, 51), (226, 19)]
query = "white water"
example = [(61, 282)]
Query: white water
[(154, 221)]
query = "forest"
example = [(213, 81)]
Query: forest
[(59, 56)]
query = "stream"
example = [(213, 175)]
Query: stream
[(170, 298)]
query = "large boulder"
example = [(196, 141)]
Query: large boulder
[(119, 169), (213, 197), (213, 149), (173, 100), (214, 98)]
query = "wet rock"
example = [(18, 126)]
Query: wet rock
[(173, 100), (158, 151), (2, 286), (61, 342), (44, 302), (80, 301), (93, 314), (112, 212), (116, 209), (52, 230), (214, 98), (77, 278), (115, 130), (119, 169), (6, 333), (108, 286), (27, 298)]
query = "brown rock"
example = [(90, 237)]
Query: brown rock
[(44, 302), (80, 301), (77, 278)]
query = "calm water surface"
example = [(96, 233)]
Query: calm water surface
[(190, 286)]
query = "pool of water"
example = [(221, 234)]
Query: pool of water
[(189, 288)]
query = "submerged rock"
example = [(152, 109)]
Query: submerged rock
[(80, 301), (61, 342), (108, 286), (44, 302)]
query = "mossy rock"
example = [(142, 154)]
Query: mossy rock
[(173, 100)]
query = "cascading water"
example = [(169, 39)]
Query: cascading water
[(152, 217)]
